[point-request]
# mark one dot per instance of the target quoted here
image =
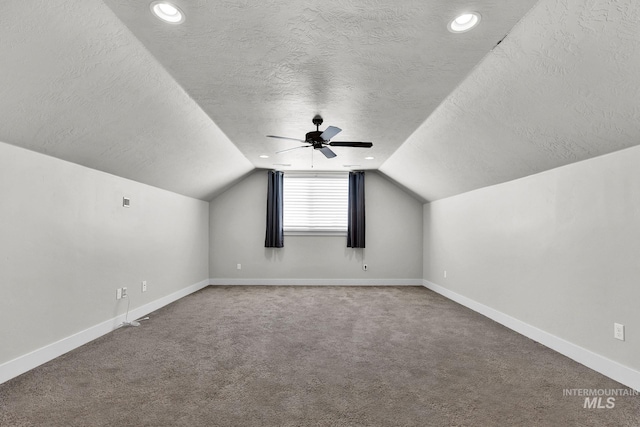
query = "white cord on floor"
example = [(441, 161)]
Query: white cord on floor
[(126, 317)]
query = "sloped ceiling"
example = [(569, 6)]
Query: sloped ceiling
[(77, 85), (187, 107), (374, 69), (562, 87)]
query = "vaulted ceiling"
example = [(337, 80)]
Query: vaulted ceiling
[(186, 107)]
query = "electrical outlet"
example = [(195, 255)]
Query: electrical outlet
[(144, 286), (365, 267), (618, 331), (445, 274), (124, 292), (119, 293), (239, 266)]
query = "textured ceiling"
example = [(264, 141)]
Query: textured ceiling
[(77, 85), (375, 69), (187, 107), (562, 87)]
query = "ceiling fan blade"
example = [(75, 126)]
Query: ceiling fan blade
[(285, 137), (351, 144), (330, 132), (294, 148), (327, 152)]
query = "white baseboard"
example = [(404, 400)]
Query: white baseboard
[(601, 364), (316, 282), (26, 362)]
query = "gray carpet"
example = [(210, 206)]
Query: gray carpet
[(311, 356)]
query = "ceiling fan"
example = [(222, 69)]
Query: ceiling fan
[(321, 140)]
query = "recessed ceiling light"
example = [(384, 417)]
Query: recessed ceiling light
[(168, 12), (464, 22), (369, 158), (264, 156)]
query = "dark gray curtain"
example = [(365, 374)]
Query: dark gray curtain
[(356, 220), (275, 234)]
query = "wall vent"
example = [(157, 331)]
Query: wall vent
[(126, 202)]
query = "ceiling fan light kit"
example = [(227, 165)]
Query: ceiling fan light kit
[(321, 140)]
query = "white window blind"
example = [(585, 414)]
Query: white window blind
[(315, 202)]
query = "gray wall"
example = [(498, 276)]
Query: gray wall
[(394, 238), (66, 244), (559, 250)]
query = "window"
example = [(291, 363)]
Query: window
[(315, 203)]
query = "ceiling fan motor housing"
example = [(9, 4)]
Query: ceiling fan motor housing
[(314, 138)]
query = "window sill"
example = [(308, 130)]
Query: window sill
[(316, 233)]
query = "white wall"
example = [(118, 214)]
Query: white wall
[(394, 238), (66, 244), (559, 250)]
